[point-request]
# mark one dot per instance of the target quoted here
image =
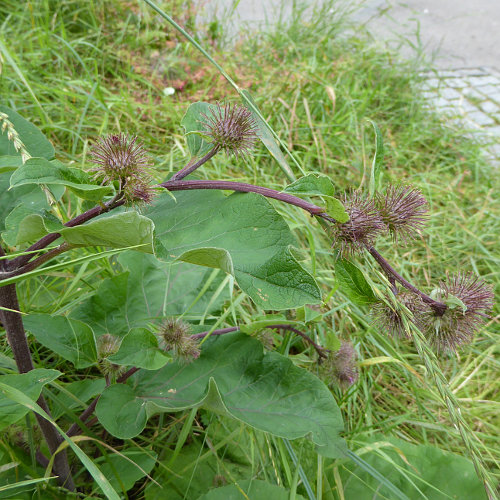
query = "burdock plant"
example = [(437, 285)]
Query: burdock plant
[(241, 235)]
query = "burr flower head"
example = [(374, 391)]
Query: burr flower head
[(464, 316), (389, 318), (362, 228), (403, 210), (122, 158), (341, 365), (175, 336), (107, 345), (231, 128), (119, 156)]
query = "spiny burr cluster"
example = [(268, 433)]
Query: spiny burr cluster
[(231, 128), (174, 336), (123, 159), (400, 212)]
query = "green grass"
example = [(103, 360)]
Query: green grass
[(79, 69)]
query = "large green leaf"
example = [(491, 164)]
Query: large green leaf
[(71, 339), (30, 384), (34, 141), (122, 230), (249, 488), (140, 348), (353, 283), (420, 471), (125, 469), (75, 395), (232, 376), (193, 123), (49, 173), (26, 224), (148, 291), (246, 226), (31, 196), (319, 185)]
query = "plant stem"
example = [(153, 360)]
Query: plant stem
[(439, 307), (90, 409), (319, 349), (246, 188), (37, 262), (188, 169), (16, 336), (20, 261)]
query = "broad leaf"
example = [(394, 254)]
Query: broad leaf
[(193, 123), (420, 471), (123, 230), (311, 185), (353, 283), (30, 196), (251, 238), (8, 163), (140, 348), (35, 142), (232, 376), (249, 488), (319, 185), (25, 225), (76, 395), (30, 384), (148, 291), (267, 138), (41, 171), (71, 339), (124, 470)]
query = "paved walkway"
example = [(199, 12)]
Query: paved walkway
[(463, 37)]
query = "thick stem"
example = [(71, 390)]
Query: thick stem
[(246, 188), (20, 261), (16, 336), (37, 262), (188, 169), (439, 307), (319, 349)]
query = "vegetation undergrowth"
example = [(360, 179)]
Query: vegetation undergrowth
[(79, 70)]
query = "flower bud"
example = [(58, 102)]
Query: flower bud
[(231, 128), (363, 227)]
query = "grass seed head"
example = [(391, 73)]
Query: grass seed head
[(389, 318)]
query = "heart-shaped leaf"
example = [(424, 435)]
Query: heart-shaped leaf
[(128, 229), (41, 171), (71, 339), (232, 376), (30, 384), (140, 348), (250, 237), (148, 291)]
